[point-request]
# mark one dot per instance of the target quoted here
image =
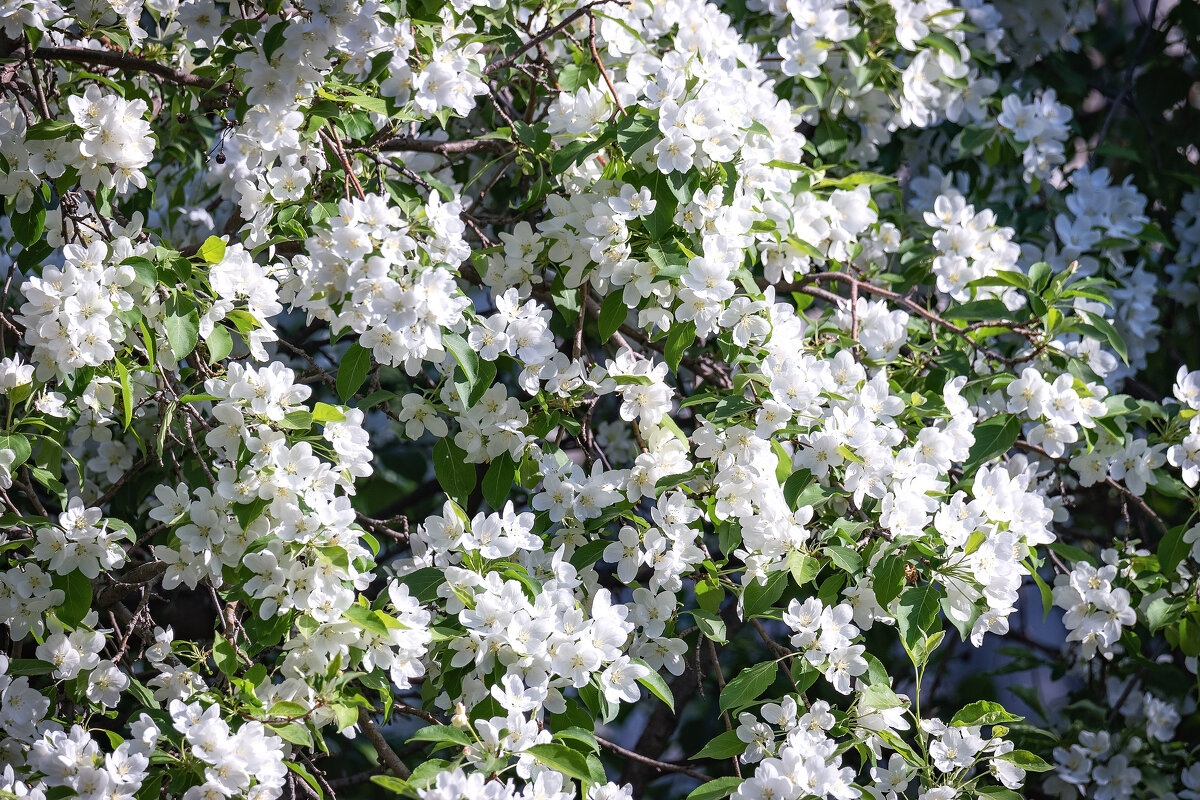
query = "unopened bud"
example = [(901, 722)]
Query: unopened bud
[(459, 720)]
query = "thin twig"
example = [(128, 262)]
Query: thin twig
[(661, 766)]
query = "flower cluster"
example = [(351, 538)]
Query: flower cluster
[(525, 379), (1097, 611)]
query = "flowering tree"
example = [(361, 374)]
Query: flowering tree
[(609, 400)]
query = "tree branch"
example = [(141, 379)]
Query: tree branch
[(109, 58), (457, 148), (386, 754), (511, 59), (661, 766)]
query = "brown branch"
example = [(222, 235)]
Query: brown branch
[(123, 61), (457, 148), (661, 766), (335, 145), (856, 285), (116, 591), (599, 63), (1108, 481), (511, 59), (387, 755)]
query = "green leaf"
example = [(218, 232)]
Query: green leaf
[(182, 324), (716, 789), (364, 618), (726, 745), (1044, 591), (917, 611), (846, 558), (307, 777), (1164, 611), (126, 395), (974, 137), (803, 568), (634, 131), (212, 251), (655, 683), (441, 733), (1110, 334), (394, 784), (758, 598), (993, 437), (28, 227), (731, 406), (997, 793), (352, 372), (1070, 552), (28, 666), (454, 473), (19, 445), (887, 579), (983, 712), (295, 733), (246, 513), (423, 583), (299, 420), (323, 412), (77, 591), (578, 151), (990, 309), (710, 624), (829, 139), (1003, 278), (566, 760), (612, 314), (467, 358), (578, 734), (50, 129), (748, 685), (796, 483), (498, 481), (225, 656), (943, 43), (286, 709), (1025, 760), (1171, 550), (220, 343), (880, 696), (1039, 275), (680, 336)]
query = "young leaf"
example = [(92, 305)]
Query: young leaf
[(456, 476), (498, 481), (993, 437), (212, 251), (748, 685), (182, 324), (655, 683), (352, 372), (918, 609), (726, 745), (716, 789), (565, 759), (612, 314), (126, 395)]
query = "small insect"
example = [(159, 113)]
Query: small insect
[(220, 157), (910, 574)]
